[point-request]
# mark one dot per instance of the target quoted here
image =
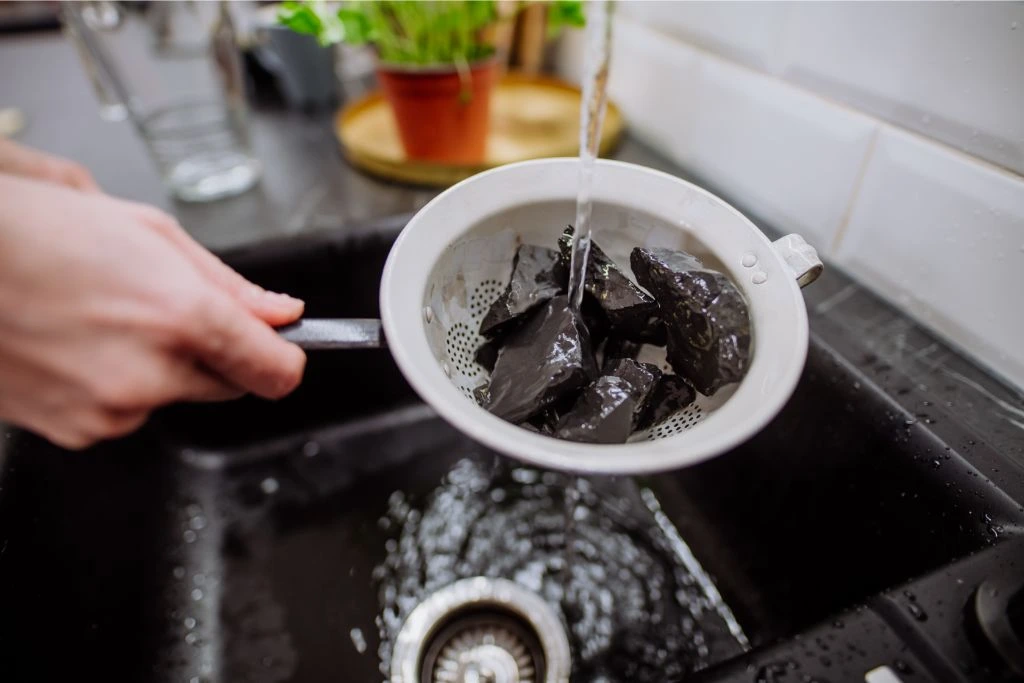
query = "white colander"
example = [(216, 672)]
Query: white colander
[(454, 258)]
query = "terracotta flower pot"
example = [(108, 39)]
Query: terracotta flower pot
[(439, 117)]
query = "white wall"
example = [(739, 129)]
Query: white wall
[(891, 135)]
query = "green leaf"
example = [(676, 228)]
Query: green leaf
[(356, 26), (562, 13), (300, 18)]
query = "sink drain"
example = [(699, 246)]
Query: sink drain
[(481, 630)]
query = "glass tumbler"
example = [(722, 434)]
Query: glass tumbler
[(174, 70)]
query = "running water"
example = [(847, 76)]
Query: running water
[(595, 98)]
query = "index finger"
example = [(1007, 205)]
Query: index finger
[(243, 349)]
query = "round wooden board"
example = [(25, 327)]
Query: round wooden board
[(531, 117)]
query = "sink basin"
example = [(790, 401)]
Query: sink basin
[(276, 541)]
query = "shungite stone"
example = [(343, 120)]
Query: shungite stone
[(670, 394), (487, 354), (595, 319), (609, 409), (537, 275), (705, 317), (615, 348), (632, 312), (549, 357)]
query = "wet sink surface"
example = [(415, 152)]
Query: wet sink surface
[(278, 542)]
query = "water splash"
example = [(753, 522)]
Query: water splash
[(636, 610)]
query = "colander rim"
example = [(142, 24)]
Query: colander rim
[(768, 385)]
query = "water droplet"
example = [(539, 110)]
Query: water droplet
[(759, 278), (199, 579), (749, 260), (916, 612), (447, 370), (311, 449), (428, 314), (269, 486), (198, 523), (936, 463), (190, 623), (902, 667), (190, 536), (358, 640), (178, 572), (910, 421), (196, 594), (191, 638)]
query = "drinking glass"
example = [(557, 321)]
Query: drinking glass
[(173, 69)]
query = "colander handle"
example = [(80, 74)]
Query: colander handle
[(801, 259), (315, 334)]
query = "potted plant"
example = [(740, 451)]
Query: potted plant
[(435, 63)]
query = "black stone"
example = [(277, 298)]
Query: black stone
[(705, 317), (617, 347), (609, 409), (595, 319), (537, 275), (632, 312), (482, 395), (670, 394), (487, 355), (546, 359)]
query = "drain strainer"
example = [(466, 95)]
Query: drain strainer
[(481, 630)]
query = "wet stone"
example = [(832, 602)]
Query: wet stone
[(705, 317), (615, 348), (670, 395), (608, 410), (632, 312), (487, 354), (537, 276), (595, 319), (549, 357)]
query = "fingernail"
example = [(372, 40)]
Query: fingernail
[(281, 298)]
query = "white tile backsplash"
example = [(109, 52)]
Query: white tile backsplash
[(793, 156), (953, 71), (746, 32), (943, 236), (659, 96)]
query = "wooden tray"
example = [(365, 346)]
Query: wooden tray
[(531, 117)]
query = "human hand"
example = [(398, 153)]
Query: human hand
[(26, 162), (108, 310)]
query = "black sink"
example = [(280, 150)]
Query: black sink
[(244, 542)]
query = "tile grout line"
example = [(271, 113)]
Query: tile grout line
[(844, 222)]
